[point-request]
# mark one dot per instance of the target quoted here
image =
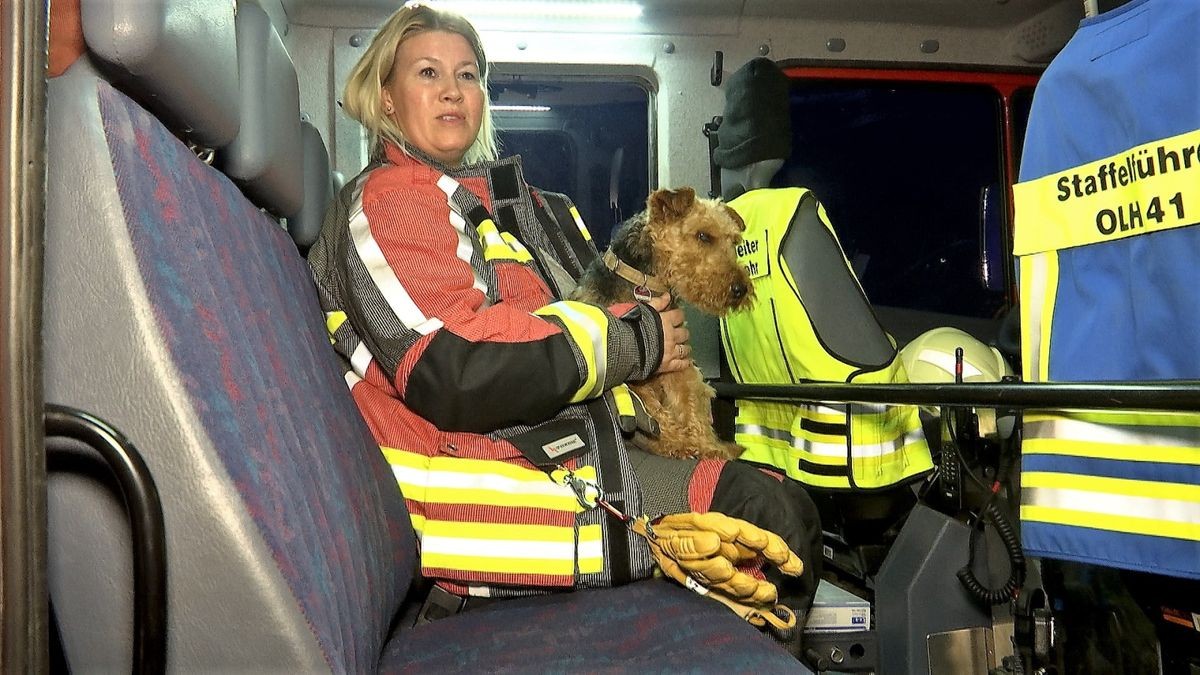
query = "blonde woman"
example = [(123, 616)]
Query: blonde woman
[(442, 276)]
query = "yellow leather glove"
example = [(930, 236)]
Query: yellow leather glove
[(701, 551)]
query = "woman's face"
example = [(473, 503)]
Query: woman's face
[(434, 95)]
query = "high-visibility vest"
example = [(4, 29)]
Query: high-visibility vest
[(1107, 242), (822, 445)]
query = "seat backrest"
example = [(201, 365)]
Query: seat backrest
[(182, 314)]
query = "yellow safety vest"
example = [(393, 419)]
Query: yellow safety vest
[(853, 446)]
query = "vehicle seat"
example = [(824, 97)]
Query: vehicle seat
[(179, 310)]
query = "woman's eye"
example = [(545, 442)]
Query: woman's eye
[(428, 72), (704, 237), (467, 75)]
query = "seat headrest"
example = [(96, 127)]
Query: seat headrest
[(318, 189), (178, 57), (266, 157)]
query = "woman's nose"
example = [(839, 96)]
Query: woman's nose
[(452, 91)]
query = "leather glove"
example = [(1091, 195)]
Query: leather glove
[(701, 551)]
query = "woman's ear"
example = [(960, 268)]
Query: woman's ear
[(385, 98)]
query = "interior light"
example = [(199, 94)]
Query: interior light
[(544, 8), (520, 108)]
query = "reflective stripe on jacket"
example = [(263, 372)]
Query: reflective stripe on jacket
[(775, 342)]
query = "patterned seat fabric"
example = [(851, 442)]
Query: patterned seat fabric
[(238, 314), (650, 626), (240, 326)]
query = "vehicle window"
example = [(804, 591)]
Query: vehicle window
[(586, 138), (902, 168)]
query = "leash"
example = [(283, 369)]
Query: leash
[(644, 285), (589, 495)]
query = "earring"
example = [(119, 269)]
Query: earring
[(388, 110)]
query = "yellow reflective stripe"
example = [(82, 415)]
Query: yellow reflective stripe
[(500, 246), (1149, 188), (1124, 453), (579, 222), (587, 326), (591, 549), (473, 563), (418, 523), (1113, 523), (334, 321), (519, 252), (623, 396), (456, 480), (1039, 288), (1111, 486)]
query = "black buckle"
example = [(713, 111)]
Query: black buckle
[(439, 604)]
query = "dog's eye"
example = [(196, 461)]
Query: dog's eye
[(704, 237)]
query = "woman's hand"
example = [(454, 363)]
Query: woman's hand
[(677, 353)]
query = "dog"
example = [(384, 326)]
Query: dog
[(687, 246)]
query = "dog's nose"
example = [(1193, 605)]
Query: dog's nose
[(738, 290)]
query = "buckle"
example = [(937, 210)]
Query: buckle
[(439, 604)]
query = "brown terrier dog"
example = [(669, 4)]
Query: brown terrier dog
[(684, 245)]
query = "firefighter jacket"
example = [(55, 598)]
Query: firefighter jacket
[(1107, 234), (822, 445), (441, 289)]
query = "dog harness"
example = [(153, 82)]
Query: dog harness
[(825, 445)]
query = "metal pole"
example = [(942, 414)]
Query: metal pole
[(1182, 396), (23, 606)]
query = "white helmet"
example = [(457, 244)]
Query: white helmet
[(930, 357)]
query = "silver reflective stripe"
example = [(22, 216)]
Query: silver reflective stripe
[(381, 272), (1169, 510), (1034, 298), (767, 432), (360, 359), (599, 344), (830, 449), (1130, 435), (869, 408), (466, 245)]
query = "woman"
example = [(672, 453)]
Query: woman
[(441, 274)]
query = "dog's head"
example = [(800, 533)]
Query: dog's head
[(692, 244)]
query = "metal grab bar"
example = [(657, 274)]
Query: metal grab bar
[(144, 508), (1181, 395)]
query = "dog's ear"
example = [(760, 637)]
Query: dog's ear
[(737, 219), (667, 205)]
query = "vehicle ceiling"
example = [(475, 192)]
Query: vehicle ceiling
[(956, 13)]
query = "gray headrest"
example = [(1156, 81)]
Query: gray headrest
[(265, 158), (178, 57), (318, 189)]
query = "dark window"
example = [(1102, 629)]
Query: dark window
[(588, 139), (902, 169)]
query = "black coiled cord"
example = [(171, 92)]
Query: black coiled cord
[(1016, 558)]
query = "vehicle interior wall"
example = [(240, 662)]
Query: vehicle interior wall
[(672, 46)]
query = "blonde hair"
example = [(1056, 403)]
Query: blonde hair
[(362, 98)]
